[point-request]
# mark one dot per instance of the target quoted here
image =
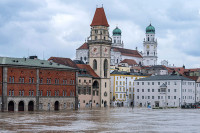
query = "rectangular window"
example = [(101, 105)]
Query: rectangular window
[(9, 92), (55, 93), (129, 89), (10, 79), (148, 83), (116, 95), (148, 97), (41, 81), (168, 97), (168, 90), (22, 80), (129, 96), (29, 80), (89, 81), (93, 93), (32, 80), (116, 82), (152, 90), (148, 90), (158, 90), (142, 97), (120, 95), (41, 93), (19, 93), (47, 81), (138, 97), (158, 97), (29, 93), (152, 83), (12, 92), (97, 93), (142, 90), (23, 93), (137, 90), (89, 91), (158, 83), (13, 79), (152, 97), (142, 83), (32, 93), (174, 90), (174, 97), (47, 93), (138, 83)]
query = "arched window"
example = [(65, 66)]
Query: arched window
[(81, 58), (105, 67), (147, 52), (148, 38), (94, 64), (85, 58)]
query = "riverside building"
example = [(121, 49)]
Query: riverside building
[(29, 84), (164, 91)]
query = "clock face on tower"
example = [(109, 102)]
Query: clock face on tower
[(94, 51), (105, 51)]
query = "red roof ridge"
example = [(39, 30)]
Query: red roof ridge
[(88, 68), (84, 46), (129, 62), (99, 18), (63, 61)]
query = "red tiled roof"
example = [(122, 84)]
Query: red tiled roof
[(195, 78), (127, 52), (84, 46), (99, 18), (63, 61), (88, 69), (130, 62)]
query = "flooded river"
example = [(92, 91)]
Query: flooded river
[(103, 120)]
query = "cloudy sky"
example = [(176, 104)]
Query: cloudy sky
[(58, 27)]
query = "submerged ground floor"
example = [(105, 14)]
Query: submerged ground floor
[(40, 104)]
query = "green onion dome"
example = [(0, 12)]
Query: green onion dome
[(150, 29), (117, 31)]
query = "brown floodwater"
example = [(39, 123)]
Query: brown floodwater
[(103, 120)]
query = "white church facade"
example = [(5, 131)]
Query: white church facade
[(118, 53)]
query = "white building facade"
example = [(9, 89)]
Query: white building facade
[(164, 91)]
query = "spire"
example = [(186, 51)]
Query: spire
[(99, 18)]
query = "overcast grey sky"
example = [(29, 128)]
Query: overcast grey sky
[(58, 27)]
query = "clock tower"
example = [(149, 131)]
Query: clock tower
[(99, 53)]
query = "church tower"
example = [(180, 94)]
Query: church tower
[(99, 53), (117, 42), (150, 47)]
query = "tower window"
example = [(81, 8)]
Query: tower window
[(147, 52), (114, 41), (105, 67), (148, 38), (94, 64)]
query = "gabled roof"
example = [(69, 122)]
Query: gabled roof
[(26, 62), (127, 52), (163, 85), (84, 46), (164, 77), (130, 62), (63, 61), (99, 18), (88, 69)]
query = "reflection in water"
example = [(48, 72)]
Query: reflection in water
[(101, 120)]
